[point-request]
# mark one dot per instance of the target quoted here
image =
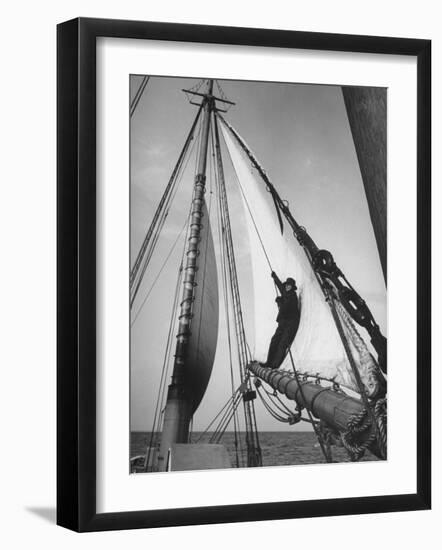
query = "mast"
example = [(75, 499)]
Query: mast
[(178, 411)]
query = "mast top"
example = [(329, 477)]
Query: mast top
[(208, 96)]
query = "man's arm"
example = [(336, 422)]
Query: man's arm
[(277, 282)]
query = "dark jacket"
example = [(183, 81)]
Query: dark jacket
[(287, 303)]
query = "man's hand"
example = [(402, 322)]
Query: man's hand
[(274, 275)]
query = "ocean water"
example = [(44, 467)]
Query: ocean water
[(278, 448)]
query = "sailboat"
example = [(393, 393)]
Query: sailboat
[(334, 374)]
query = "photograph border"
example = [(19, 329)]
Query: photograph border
[(77, 286)]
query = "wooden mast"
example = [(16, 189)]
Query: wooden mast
[(178, 411)]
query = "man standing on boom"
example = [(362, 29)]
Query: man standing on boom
[(288, 322)]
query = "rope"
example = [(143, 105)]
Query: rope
[(250, 212), (282, 407), (156, 233), (194, 88), (272, 412), (332, 303), (357, 425), (254, 456), (159, 273), (222, 95), (380, 410), (221, 230), (161, 389), (225, 421), (139, 93), (366, 359), (148, 246), (228, 402)]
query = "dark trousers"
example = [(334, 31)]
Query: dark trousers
[(281, 342)]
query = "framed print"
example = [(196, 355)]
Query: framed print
[(243, 274)]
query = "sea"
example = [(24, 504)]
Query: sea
[(278, 448)]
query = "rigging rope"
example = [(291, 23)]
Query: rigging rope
[(333, 306), (366, 360), (274, 414), (164, 370), (194, 88), (222, 245), (251, 215), (225, 421), (156, 232), (159, 272), (147, 248), (139, 93), (227, 404), (254, 454), (282, 407)]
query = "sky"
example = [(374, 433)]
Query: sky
[(301, 136)]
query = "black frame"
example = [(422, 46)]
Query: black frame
[(76, 273)]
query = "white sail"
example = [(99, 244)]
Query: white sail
[(317, 347)]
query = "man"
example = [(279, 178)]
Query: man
[(288, 322)]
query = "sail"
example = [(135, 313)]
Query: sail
[(317, 348), (205, 317)]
